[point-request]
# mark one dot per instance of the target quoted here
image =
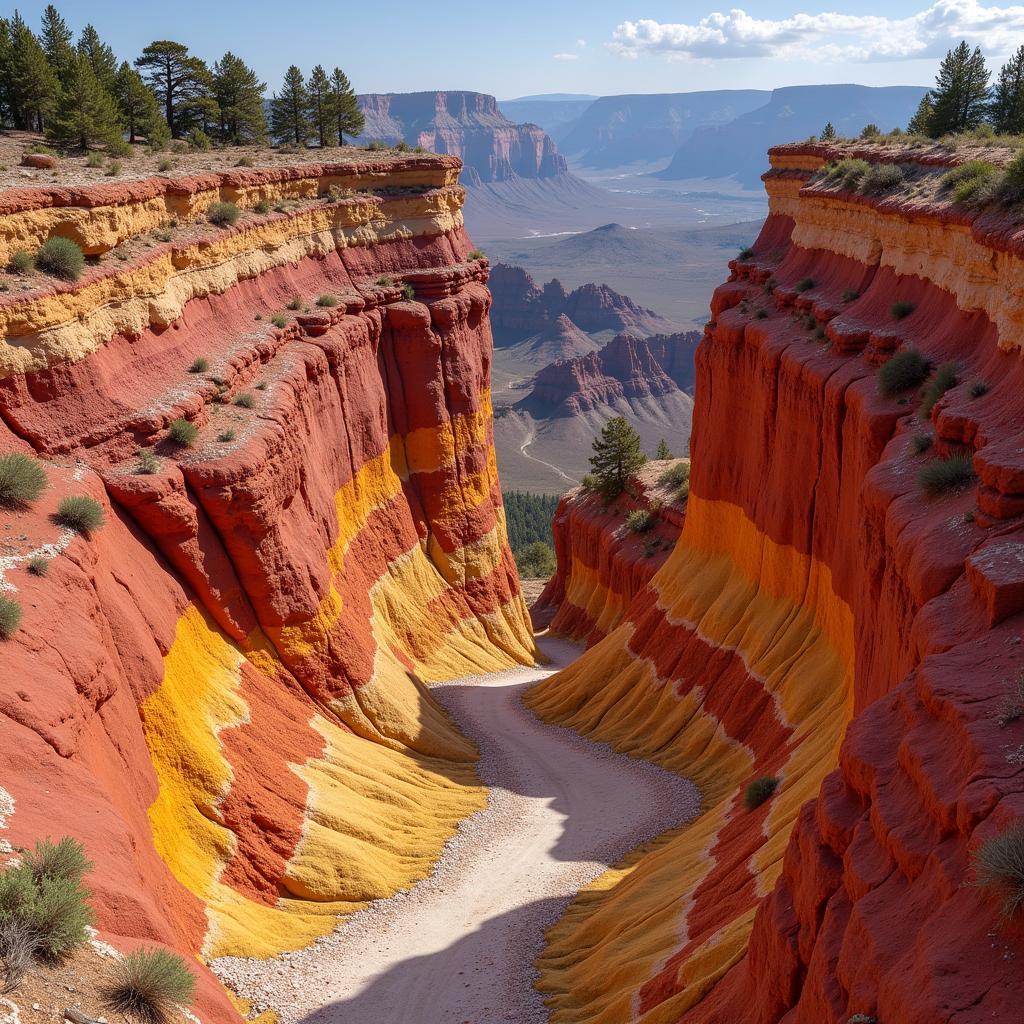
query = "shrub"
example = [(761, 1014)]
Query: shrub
[(759, 790), (943, 379), (999, 867), (294, 303), (163, 235), (199, 140), (10, 617), (973, 183), (978, 388), (263, 206), (810, 322), (408, 292), (870, 131), (899, 310), (1011, 184), (535, 560), (223, 214), (770, 285), (906, 369), (761, 314), (164, 165), (1011, 705), (149, 983), (476, 254), (18, 947), (279, 320), (22, 262), (22, 479), (39, 565), (921, 443), (590, 483), (849, 172), (941, 475), (804, 284), (113, 168), (146, 462), (61, 258), (327, 301), (183, 433), (746, 252), (675, 475), (244, 401), (850, 294), (80, 513), (94, 160), (60, 915), (64, 859), (199, 365), (639, 520), (245, 161), (226, 435), (385, 281), (375, 146), (881, 178)]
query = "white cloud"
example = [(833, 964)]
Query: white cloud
[(580, 43), (827, 37), (566, 56)]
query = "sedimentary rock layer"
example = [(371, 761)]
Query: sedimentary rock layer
[(824, 621), (221, 692)]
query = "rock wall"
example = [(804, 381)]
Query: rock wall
[(222, 691), (824, 621)]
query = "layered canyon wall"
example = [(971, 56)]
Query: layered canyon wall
[(826, 621), (221, 692)]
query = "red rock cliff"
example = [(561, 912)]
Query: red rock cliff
[(826, 621)]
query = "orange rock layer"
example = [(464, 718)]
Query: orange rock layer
[(222, 692), (824, 621)]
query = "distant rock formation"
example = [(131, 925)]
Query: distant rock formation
[(468, 125)]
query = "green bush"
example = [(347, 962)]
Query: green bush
[(64, 859), (639, 520), (899, 310), (804, 284), (38, 565), (942, 475), (590, 484), (199, 365), (226, 435), (476, 254), (245, 161), (973, 183), (999, 867), (223, 214), (164, 165), (279, 321), (375, 146), (978, 388), (907, 369), (385, 281), (61, 258), (675, 476), (261, 386), (22, 262), (943, 379), (761, 314), (408, 292), (10, 617), (146, 462), (920, 443), (759, 790), (403, 146), (535, 560), (149, 983), (848, 172), (881, 178), (244, 401), (1011, 184), (22, 479), (80, 513), (183, 433), (870, 131), (746, 252), (326, 301), (263, 206), (113, 169), (850, 294), (295, 303)]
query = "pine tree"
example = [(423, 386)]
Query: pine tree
[(349, 117), (921, 122), (617, 456), (33, 84), (828, 133), (1007, 107), (664, 452), (960, 96), (100, 56), (174, 76), (6, 60), (86, 113), (139, 110), (198, 115), (55, 38), (239, 96), (321, 108), (289, 121)]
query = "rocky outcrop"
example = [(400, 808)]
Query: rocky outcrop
[(826, 621), (221, 692), (523, 308), (627, 367), (468, 125)]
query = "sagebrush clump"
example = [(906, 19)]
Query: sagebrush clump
[(10, 617), (999, 867), (149, 983), (639, 520), (880, 178), (183, 433), (944, 378), (22, 262), (80, 513), (22, 480), (942, 475), (60, 258), (759, 790), (907, 369), (223, 214)]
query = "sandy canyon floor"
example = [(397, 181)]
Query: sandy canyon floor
[(460, 946)]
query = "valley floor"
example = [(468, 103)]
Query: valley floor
[(460, 946)]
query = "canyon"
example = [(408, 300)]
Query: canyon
[(250, 693)]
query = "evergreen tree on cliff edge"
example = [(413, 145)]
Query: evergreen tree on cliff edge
[(175, 76), (289, 121), (321, 108), (348, 116), (617, 456), (960, 96), (1007, 107), (238, 93)]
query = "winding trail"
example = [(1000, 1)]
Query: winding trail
[(533, 458), (459, 946)]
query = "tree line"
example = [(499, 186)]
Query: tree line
[(78, 93)]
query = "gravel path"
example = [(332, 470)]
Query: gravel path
[(459, 947)]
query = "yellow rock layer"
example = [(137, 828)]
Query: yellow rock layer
[(911, 242), (776, 609), (99, 229), (69, 326)]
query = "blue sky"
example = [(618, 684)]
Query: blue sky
[(537, 46)]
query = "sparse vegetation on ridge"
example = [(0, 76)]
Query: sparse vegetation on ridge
[(639, 520), (22, 479), (149, 983), (80, 513), (758, 791), (999, 867), (10, 617), (944, 378), (183, 433), (907, 369), (60, 258), (942, 475)]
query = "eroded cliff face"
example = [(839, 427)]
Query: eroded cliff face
[(222, 692), (824, 621)]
